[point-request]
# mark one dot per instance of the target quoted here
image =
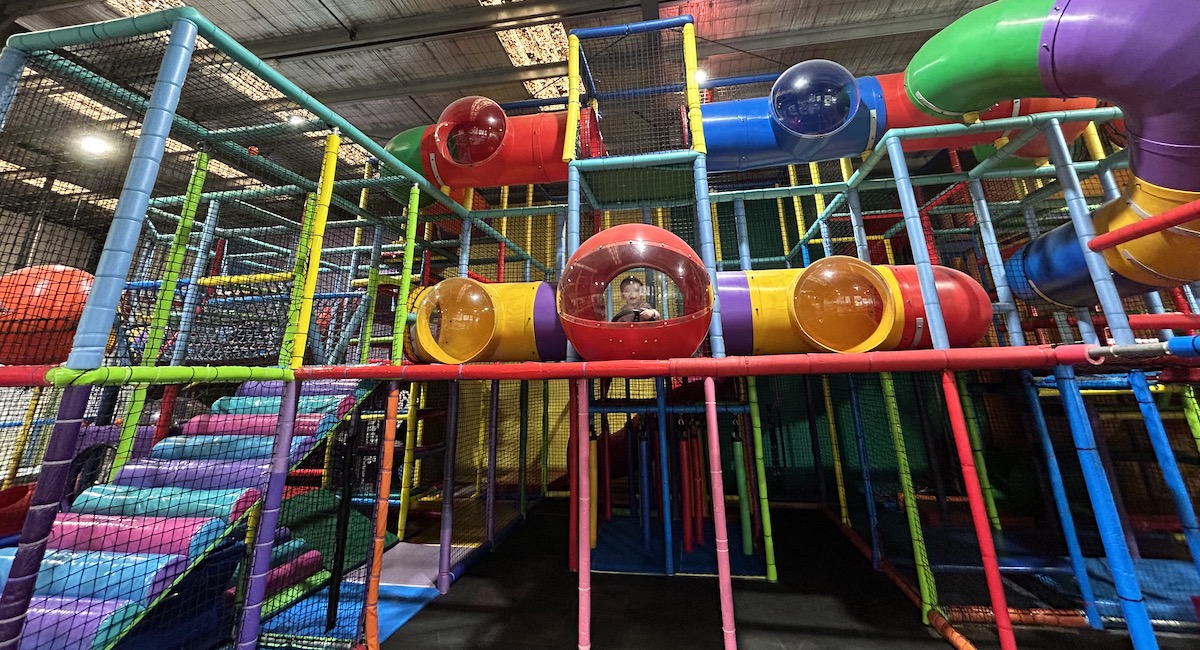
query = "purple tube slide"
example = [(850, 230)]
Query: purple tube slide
[(194, 474), (75, 623), (187, 536), (1140, 56)]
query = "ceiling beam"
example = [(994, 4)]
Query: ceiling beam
[(16, 10), (432, 26), (874, 29), (758, 43), (479, 78)]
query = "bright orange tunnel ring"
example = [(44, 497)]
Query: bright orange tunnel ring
[(605, 256)]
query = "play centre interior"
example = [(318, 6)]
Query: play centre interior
[(361, 324)]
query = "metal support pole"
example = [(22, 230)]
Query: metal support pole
[(937, 333), (1118, 324), (96, 322)]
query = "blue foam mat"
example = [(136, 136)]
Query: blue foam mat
[(619, 550), (306, 618), (1167, 586)]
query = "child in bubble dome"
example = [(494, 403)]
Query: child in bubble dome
[(636, 308)]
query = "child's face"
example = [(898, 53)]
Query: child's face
[(632, 292)]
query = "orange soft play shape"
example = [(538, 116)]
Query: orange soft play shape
[(40, 308)]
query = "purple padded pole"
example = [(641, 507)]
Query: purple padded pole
[(489, 515), (95, 325), (45, 504), (446, 538), (260, 563)]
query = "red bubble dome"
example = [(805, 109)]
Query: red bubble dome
[(599, 260), (471, 130), (40, 308)]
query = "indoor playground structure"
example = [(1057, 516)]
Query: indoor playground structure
[(267, 383)]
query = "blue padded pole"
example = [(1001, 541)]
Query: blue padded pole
[(660, 400), (571, 241), (446, 533), (860, 440), (1154, 305), (1118, 324), (743, 234), (1116, 552), (1016, 337), (560, 242), (708, 254), (95, 325), (192, 298), (12, 64), (464, 248), (920, 250), (1190, 296), (643, 487), (573, 188), (100, 311), (860, 228)]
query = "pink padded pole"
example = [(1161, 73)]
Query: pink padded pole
[(724, 578), (584, 541)]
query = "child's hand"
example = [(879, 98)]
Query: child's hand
[(649, 314)]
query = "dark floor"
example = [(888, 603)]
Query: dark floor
[(522, 596)]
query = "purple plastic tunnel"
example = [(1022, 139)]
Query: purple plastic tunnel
[(1139, 56)]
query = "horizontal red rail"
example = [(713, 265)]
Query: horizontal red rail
[(24, 375), (788, 364), (1176, 216), (1136, 321)]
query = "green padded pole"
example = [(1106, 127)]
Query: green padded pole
[(298, 272), (743, 494), (410, 238), (522, 471), (760, 469), (125, 375), (545, 451), (1191, 413), (925, 581), (989, 493), (162, 308)]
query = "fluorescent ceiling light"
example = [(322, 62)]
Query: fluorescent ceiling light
[(95, 145)]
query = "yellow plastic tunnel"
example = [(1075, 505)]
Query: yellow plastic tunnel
[(841, 304), (461, 320)]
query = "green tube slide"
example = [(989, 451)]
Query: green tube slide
[(987, 56)]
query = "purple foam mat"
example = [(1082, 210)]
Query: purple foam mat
[(194, 474), (314, 387), (111, 434), (187, 536), (75, 623)]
